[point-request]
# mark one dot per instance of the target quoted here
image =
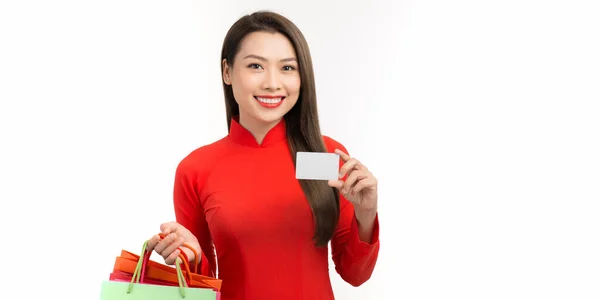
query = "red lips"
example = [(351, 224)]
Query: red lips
[(268, 102)]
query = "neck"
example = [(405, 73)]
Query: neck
[(258, 129)]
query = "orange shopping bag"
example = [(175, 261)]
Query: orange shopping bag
[(155, 272), (136, 286)]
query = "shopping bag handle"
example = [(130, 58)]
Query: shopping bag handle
[(138, 273), (196, 259), (182, 256)]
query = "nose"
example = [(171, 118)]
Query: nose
[(271, 81)]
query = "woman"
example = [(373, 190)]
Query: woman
[(239, 195)]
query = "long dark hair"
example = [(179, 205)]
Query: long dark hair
[(302, 121)]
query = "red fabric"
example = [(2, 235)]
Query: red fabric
[(243, 200)]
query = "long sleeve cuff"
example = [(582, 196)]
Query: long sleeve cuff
[(360, 248)]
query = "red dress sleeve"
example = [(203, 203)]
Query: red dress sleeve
[(354, 259), (190, 213)]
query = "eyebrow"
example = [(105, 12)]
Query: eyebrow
[(264, 59)]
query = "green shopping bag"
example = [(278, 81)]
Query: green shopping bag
[(134, 290)]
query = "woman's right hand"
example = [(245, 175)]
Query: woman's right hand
[(175, 236)]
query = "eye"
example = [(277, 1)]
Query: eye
[(254, 66), (289, 68)]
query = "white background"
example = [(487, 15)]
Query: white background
[(481, 120)]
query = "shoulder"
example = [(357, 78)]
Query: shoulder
[(200, 161), (331, 144)]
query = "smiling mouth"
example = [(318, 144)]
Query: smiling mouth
[(270, 101)]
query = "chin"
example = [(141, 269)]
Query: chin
[(270, 117)]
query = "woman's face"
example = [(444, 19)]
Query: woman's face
[(264, 78)]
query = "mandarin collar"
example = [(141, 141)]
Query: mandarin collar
[(243, 136)]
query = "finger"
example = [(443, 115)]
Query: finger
[(338, 184), (164, 243), (344, 156), (367, 183), (152, 242), (349, 182), (352, 164), (353, 178), (168, 228), (177, 242), (170, 260)]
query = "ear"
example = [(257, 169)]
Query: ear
[(226, 72)]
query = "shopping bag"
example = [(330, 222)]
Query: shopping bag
[(126, 263), (134, 289)]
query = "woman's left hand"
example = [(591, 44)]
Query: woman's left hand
[(360, 187)]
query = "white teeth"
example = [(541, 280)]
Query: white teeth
[(269, 100)]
